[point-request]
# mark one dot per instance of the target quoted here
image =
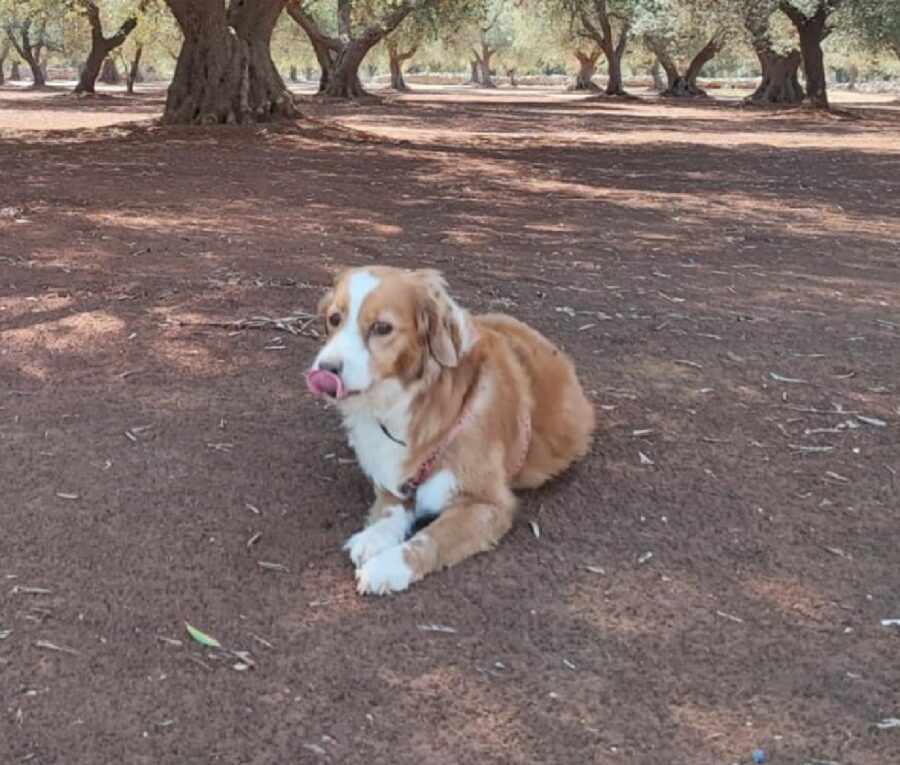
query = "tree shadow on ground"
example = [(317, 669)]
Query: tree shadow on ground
[(679, 292)]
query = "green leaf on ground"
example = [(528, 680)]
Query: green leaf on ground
[(202, 637)]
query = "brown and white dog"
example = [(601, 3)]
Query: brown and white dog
[(447, 414)]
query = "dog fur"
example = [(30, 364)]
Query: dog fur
[(495, 405)]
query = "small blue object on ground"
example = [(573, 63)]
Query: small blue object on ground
[(759, 756)]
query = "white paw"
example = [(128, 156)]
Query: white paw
[(385, 573), (370, 541), (388, 531)]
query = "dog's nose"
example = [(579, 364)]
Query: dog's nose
[(335, 367)]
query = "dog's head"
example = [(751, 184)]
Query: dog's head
[(386, 326)]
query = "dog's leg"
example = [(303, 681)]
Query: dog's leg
[(464, 528), (380, 508), (387, 525)]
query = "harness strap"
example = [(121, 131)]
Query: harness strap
[(427, 468)]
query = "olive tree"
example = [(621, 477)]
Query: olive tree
[(342, 32), (101, 45), (32, 27), (684, 35), (874, 23), (606, 24), (813, 21)]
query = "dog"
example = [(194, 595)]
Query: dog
[(447, 413)]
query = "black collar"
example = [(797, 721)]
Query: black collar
[(388, 434)]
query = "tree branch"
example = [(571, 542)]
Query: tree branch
[(623, 41), (309, 25), (592, 32), (793, 13), (659, 50), (345, 22)]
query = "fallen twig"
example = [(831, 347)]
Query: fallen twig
[(437, 628), (789, 380), (53, 647), (21, 589), (300, 325), (270, 566)]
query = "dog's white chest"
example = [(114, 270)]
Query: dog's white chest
[(380, 457)]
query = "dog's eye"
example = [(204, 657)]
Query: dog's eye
[(381, 328), (335, 319)]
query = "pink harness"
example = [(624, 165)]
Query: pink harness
[(427, 468)]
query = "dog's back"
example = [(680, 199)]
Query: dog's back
[(563, 419)]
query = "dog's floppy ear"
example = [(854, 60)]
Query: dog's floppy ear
[(438, 319)]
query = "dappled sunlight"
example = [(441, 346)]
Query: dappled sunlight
[(597, 136), (78, 332), (793, 599), (32, 306), (740, 725), (34, 371), (331, 599), (380, 229), (567, 120), (816, 291), (725, 281), (749, 395), (667, 373), (493, 721), (613, 616)]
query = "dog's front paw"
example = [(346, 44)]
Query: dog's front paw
[(388, 531), (371, 541), (387, 572)]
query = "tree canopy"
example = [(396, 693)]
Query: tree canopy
[(229, 58)]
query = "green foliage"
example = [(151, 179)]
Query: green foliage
[(156, 34), (873, 23), (41, 20), (527, 35)]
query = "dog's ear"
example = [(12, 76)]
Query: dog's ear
[(322, 308), (439, 319)]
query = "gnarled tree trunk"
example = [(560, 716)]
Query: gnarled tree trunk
[(109, 74), (587, 68), (4, 52), (655, 74), (484, 66), (15, 75), (38, 80), (511, 75), (224, 76), (812, 30), (134, 70), (811, 37), (326, 48), (682, 85), (396, 59), (602, 34), (779, 83), (30, 53), (614, 84), (475, 78), (341, 57), (98, 61), (397, 81), (253, 23), (344, 80)]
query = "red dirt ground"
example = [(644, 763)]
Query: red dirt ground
[(682, 254)]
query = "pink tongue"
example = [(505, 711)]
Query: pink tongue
[(322, 383)]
